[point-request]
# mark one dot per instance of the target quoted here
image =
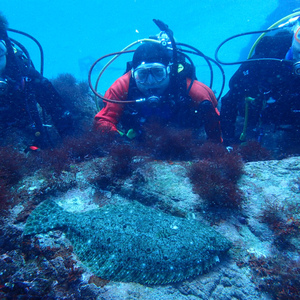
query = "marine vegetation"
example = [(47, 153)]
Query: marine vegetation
[(282, 222), (253, 151), (279, 276), (169, 143), (73, 150), (11, 171), (111, 172), (69, 88), (122, 160), (215, 176), (77, 99), (33, 269), (132, 242)]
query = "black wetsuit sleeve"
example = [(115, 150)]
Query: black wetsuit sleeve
[(49, 99), (239, 85)]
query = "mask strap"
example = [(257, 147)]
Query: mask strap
[(296, 35)]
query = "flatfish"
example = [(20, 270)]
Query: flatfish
[(132, 242)]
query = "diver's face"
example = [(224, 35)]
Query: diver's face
[(3, 52), (152, 78)]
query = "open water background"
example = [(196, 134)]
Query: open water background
[(75, 33)]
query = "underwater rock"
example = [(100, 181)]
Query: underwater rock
[(132, 242)]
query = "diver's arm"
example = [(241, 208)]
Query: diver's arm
[(108, 117), (211, 119), (50, 100), (242, 84), (229, 111), (205, 100)]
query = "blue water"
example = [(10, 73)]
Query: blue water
[(75, 33)]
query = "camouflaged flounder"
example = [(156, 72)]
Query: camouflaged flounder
[(133, 243)]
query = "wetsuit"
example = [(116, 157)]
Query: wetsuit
[(18, 103), (182, 111), (273, 85)]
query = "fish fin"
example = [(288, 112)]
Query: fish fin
[(47, 216)]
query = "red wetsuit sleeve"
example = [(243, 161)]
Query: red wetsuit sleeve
[(200, 93), (108, 117)]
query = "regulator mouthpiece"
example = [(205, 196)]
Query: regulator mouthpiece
[(296, 68), (153, 99)]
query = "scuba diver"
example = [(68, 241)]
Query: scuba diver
[(24, 93), (266, 87), (159, 85)]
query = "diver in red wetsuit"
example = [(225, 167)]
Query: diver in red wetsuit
[(164, 92)]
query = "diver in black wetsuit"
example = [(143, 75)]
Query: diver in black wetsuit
[(24, 92), (269, 90)]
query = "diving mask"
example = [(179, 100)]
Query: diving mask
[(297, 35), (296, 49), (3, 50), (3, 53), (150, 73)]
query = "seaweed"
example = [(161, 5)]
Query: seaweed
[(215, 177), (11, 171), (74, 150), (281, 221), (253, 151), (77, 100), (278, 276), (122, 160), (167, 143)]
